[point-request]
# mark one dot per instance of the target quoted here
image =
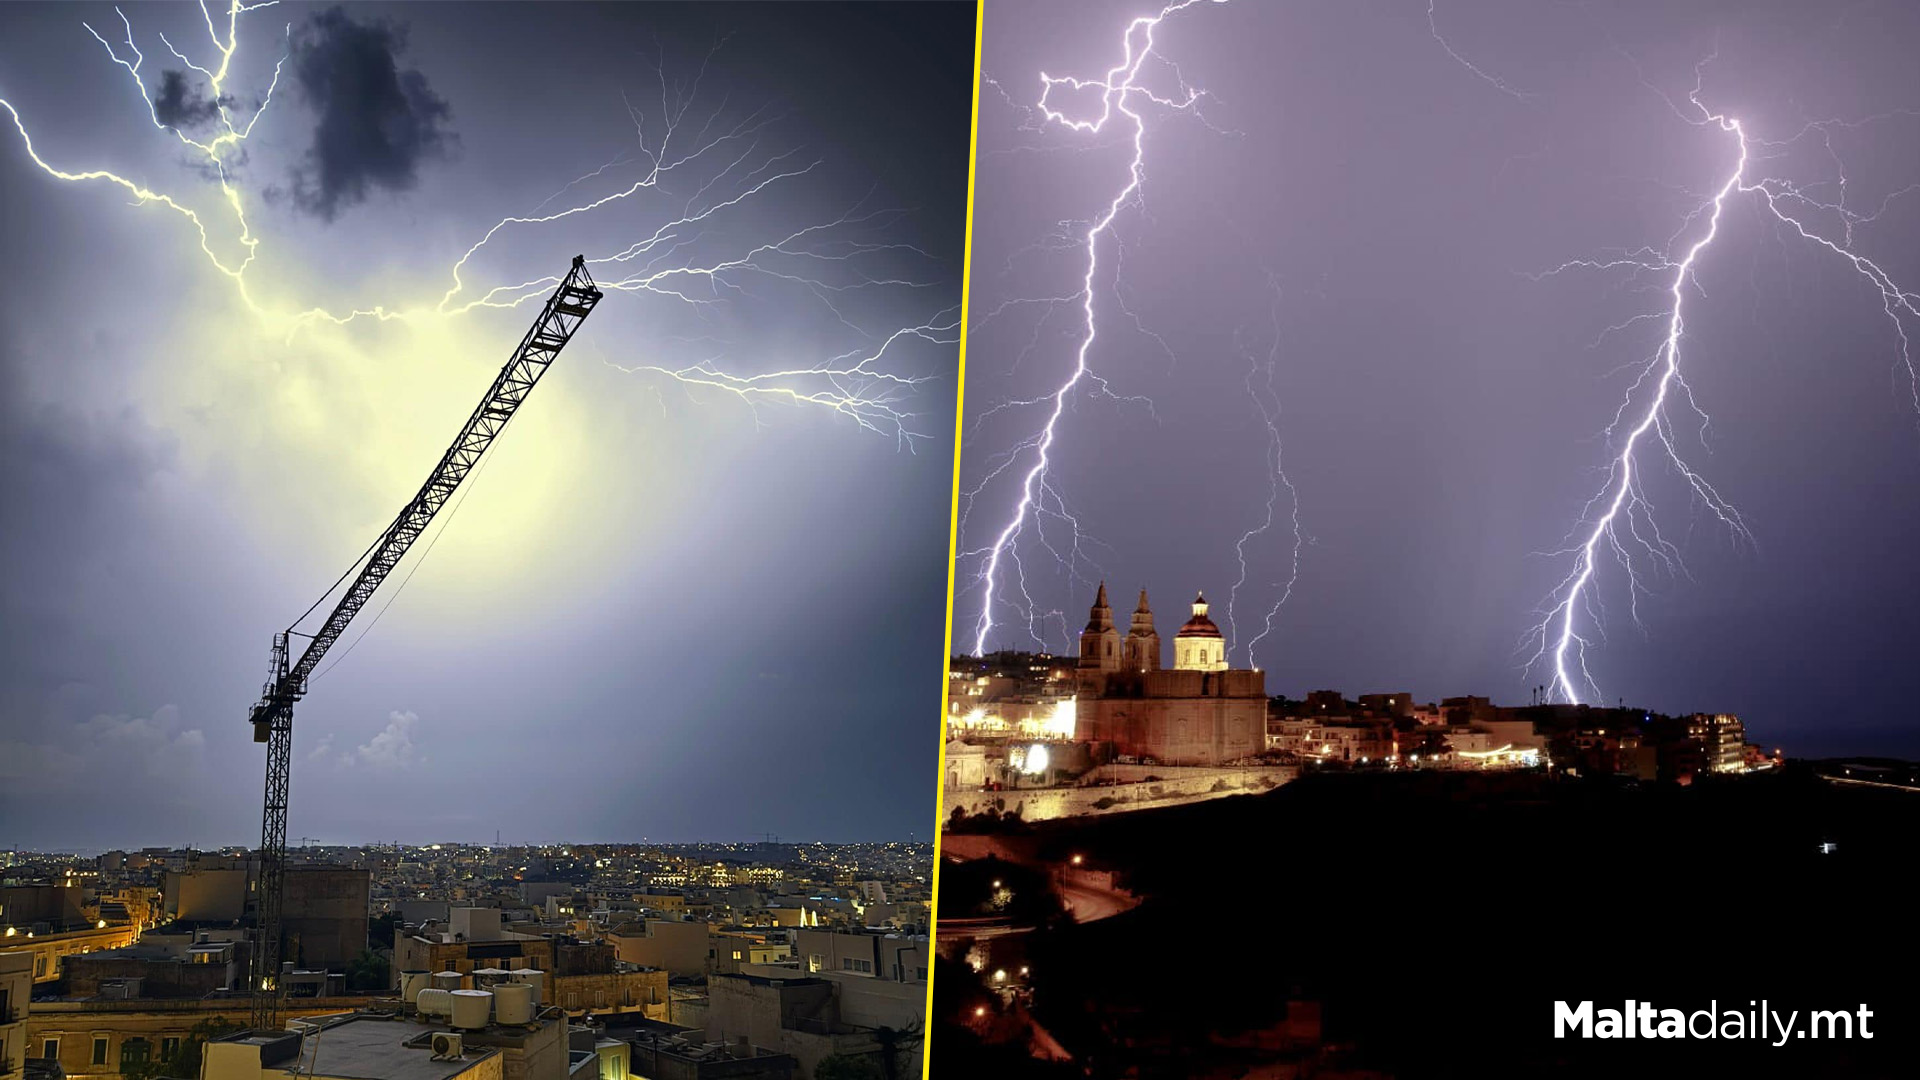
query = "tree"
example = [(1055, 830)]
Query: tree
[(896, 1044), (380, 931), (368, 973), (846, 1067), (185, 1059)]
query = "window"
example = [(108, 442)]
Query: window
[(134, 1052), (169, 1046), (50, 1049), (99, 1049)]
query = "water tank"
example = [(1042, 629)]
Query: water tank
[(485, 978), (535, 978), (449, 980), (471, 1008), (434, 1002), (513, 1003), (412, 982)]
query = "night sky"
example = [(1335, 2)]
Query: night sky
[(661, 613), (1389, 210)]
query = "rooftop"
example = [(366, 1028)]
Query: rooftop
[(367, 1046)]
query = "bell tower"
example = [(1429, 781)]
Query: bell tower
[(1099, 645), (1142, 651)]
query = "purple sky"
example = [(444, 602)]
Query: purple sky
[(1441, 408)]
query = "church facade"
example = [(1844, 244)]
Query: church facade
[(1198, 712)]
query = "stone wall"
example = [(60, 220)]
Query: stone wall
[(1162, 785)]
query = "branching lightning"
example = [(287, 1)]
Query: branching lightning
[(726, 167), (1121, 93), (1618, 522), (1266, 400)]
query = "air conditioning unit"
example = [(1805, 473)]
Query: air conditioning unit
[(446, 1046)]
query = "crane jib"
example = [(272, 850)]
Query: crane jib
[(565, 310), (272, 715)]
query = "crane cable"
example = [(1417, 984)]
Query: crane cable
[(466, 490)]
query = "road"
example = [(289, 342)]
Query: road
[(1088, 894)]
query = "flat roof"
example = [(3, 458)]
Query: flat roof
[(373, 1048)]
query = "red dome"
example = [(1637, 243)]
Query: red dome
[(1199, 625)]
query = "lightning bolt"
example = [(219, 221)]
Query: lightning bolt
[(1121, 95), (684, 259), (1618, 523), (1266, 400)]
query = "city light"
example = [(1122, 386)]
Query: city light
[(1060, 722), (1036, 760)]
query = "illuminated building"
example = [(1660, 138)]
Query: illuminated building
[(1011, 695), (16, 992), (1723, 737), (1199, 712)]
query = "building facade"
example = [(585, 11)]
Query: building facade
[(1199, 712)]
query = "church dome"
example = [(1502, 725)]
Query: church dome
[(1199, 626)]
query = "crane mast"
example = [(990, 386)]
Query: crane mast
[(272, 715)]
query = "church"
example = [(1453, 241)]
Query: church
[(1198, 712)]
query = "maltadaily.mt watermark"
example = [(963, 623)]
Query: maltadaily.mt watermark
[(1644, 1020)]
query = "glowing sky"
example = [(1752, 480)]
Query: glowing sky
[(1378, 203), (664, 610)]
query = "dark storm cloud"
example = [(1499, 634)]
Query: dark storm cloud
[(177, 105), (377, 122)]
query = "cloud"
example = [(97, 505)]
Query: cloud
[(105, 750), (322, 748), (178, 106), (392, 748), (36, 766), (377, 123), (157, 742)]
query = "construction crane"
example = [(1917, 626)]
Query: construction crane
[(272, 715)]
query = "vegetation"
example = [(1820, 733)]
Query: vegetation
[(847, 1067), (185, 1059), (369, 973)]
